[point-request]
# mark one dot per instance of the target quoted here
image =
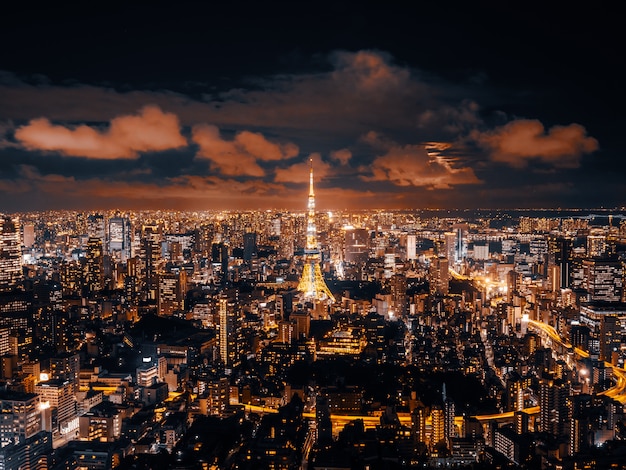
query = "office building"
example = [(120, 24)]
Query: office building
[(10, 254)]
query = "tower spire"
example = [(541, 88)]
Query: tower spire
[(312, 283), (311, 192)]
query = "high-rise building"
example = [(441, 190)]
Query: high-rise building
[(356, 245), (596, 245), (5, 346), (32, 453), (411, 247), (229, 329), (20, 417), (610, 338), (521, 420), (438, 276), (10, 254), (59, 395), (28, 235), (323, 423), (150, 255), (560, 254), (94, 279), (219, 258), (449, 413), (172, 290), (249, 246), (438, 430), (603, 279), (301, 324), (580, 426), (215, 399), (119, 238), (399, 300), (418, 423), (312, 284), (553, 407), (96, 226), (66, 367), (460, 245)]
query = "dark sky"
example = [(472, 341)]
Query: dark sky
[(196, 105)]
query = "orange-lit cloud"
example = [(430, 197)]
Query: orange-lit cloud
[(239, 156), (299, 172), (152, 130), (518, 142), (414, 165), (180, 192), (195, 192)]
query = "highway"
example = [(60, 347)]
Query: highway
[(618, 391)]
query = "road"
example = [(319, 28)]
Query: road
[(618, 391)]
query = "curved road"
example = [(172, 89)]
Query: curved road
[(617, 392)]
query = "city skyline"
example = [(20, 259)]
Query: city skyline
[(209, 108)]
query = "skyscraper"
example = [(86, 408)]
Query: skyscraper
[(229, 329), (150, 256), (119, 238), (411, 251), (356, 249), (95, 226), (171, 294), (399, 300), (552, 407), (603, 279), (249, 246), (20, 416), (95, 268), (10, 254), (560, 254), (312, 284), (438, 276), (438, 425)]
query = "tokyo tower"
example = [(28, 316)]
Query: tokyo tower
[(312, 283)]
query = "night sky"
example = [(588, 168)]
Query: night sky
[(205, 106)]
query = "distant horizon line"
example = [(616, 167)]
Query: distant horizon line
[(304, 210)]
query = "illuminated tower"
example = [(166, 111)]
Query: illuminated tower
[(312, 283)]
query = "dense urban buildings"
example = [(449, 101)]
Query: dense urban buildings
[(274, 339)]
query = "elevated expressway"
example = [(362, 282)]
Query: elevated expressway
[(617, 392)]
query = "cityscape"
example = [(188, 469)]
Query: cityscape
[(319, 236), (297, 340)]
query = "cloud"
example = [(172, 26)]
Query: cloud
[(323, 110), (416, 165), (368, 71), (181, 192), (343, 156), (521, 141), (299, 172), (363, 89), (240, 156), (454, 120), (151, 130)]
